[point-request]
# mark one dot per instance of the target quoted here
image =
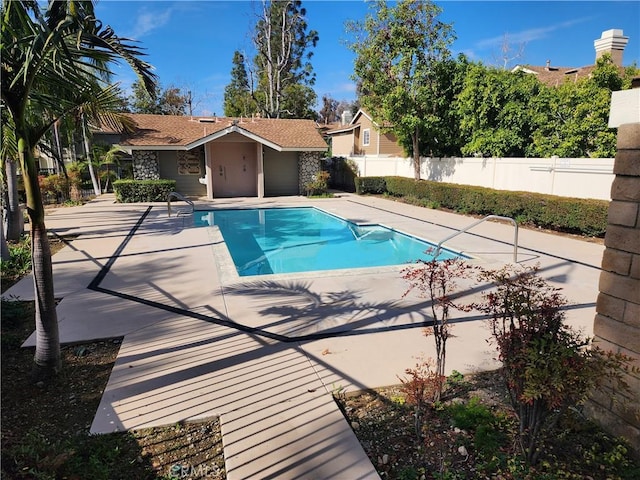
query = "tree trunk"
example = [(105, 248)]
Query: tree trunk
[(47, 356), (94, 180), (4, 248), (56, 135), (416, 154), (14, 218)]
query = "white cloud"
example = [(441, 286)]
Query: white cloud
[(347, 87), (149, 20), (529, 35), (468, 52)]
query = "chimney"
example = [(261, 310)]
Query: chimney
[(548, 66), (613, 42), (346, 117)]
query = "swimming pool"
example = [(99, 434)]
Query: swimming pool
[(303, 239)]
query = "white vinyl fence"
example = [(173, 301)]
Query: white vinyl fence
[(567, 177)]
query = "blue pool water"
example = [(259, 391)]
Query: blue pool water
[(288, 240)]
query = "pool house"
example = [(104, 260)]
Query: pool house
[(216, 157)]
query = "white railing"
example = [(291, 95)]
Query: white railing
[(469, 227), (179, 197)]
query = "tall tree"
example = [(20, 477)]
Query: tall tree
[(142, 101), (353, 106), (572, 119), (283, 74), (238, 101), (495, 108), (173, 101), (399, 50), (329, 111), (51, 61), (443, 137), (162, 101), (508, 52), (298, 101)]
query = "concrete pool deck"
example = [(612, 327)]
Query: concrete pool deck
[(265, 353)]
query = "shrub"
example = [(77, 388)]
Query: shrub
[(74, 172), (318, 185), (421, 387), (130, 191), (343, 173), (436, 281), (571, 215), (19, 262), (370, 185), (547, 366), (54, 187)]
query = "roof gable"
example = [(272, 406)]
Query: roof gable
[(359, 113)]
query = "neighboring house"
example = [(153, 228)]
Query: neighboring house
[(362, 136), (224, 157), (612, 42)]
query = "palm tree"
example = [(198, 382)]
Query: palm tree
[(108, 157), (8, 161), (52, 59), (105, 111)]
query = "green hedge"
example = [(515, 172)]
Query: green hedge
[(132, 191), (371, 185), (573, 215)]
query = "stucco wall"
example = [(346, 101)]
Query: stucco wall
[(172, 165), (281, 176), (342, 144)]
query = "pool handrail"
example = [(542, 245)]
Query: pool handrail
[(179, 197), (469, 227)]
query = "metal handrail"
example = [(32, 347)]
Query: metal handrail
[(488, 217), (179, 197)]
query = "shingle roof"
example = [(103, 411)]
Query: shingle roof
[(353, 124), (554, 76), (342, 129), (184, 131)]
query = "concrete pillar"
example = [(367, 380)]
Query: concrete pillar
[(617, 321), (260, 169)]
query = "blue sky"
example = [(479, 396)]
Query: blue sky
[(191, 43)]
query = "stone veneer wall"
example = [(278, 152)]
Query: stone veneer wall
[(145, 165), (308, 166), (617, 321)]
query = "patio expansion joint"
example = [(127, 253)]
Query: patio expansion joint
[(95, 286)]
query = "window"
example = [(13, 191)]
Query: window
[(366, 137)]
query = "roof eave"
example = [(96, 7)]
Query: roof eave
[(130, 148), (350, 128), (305, 149)]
